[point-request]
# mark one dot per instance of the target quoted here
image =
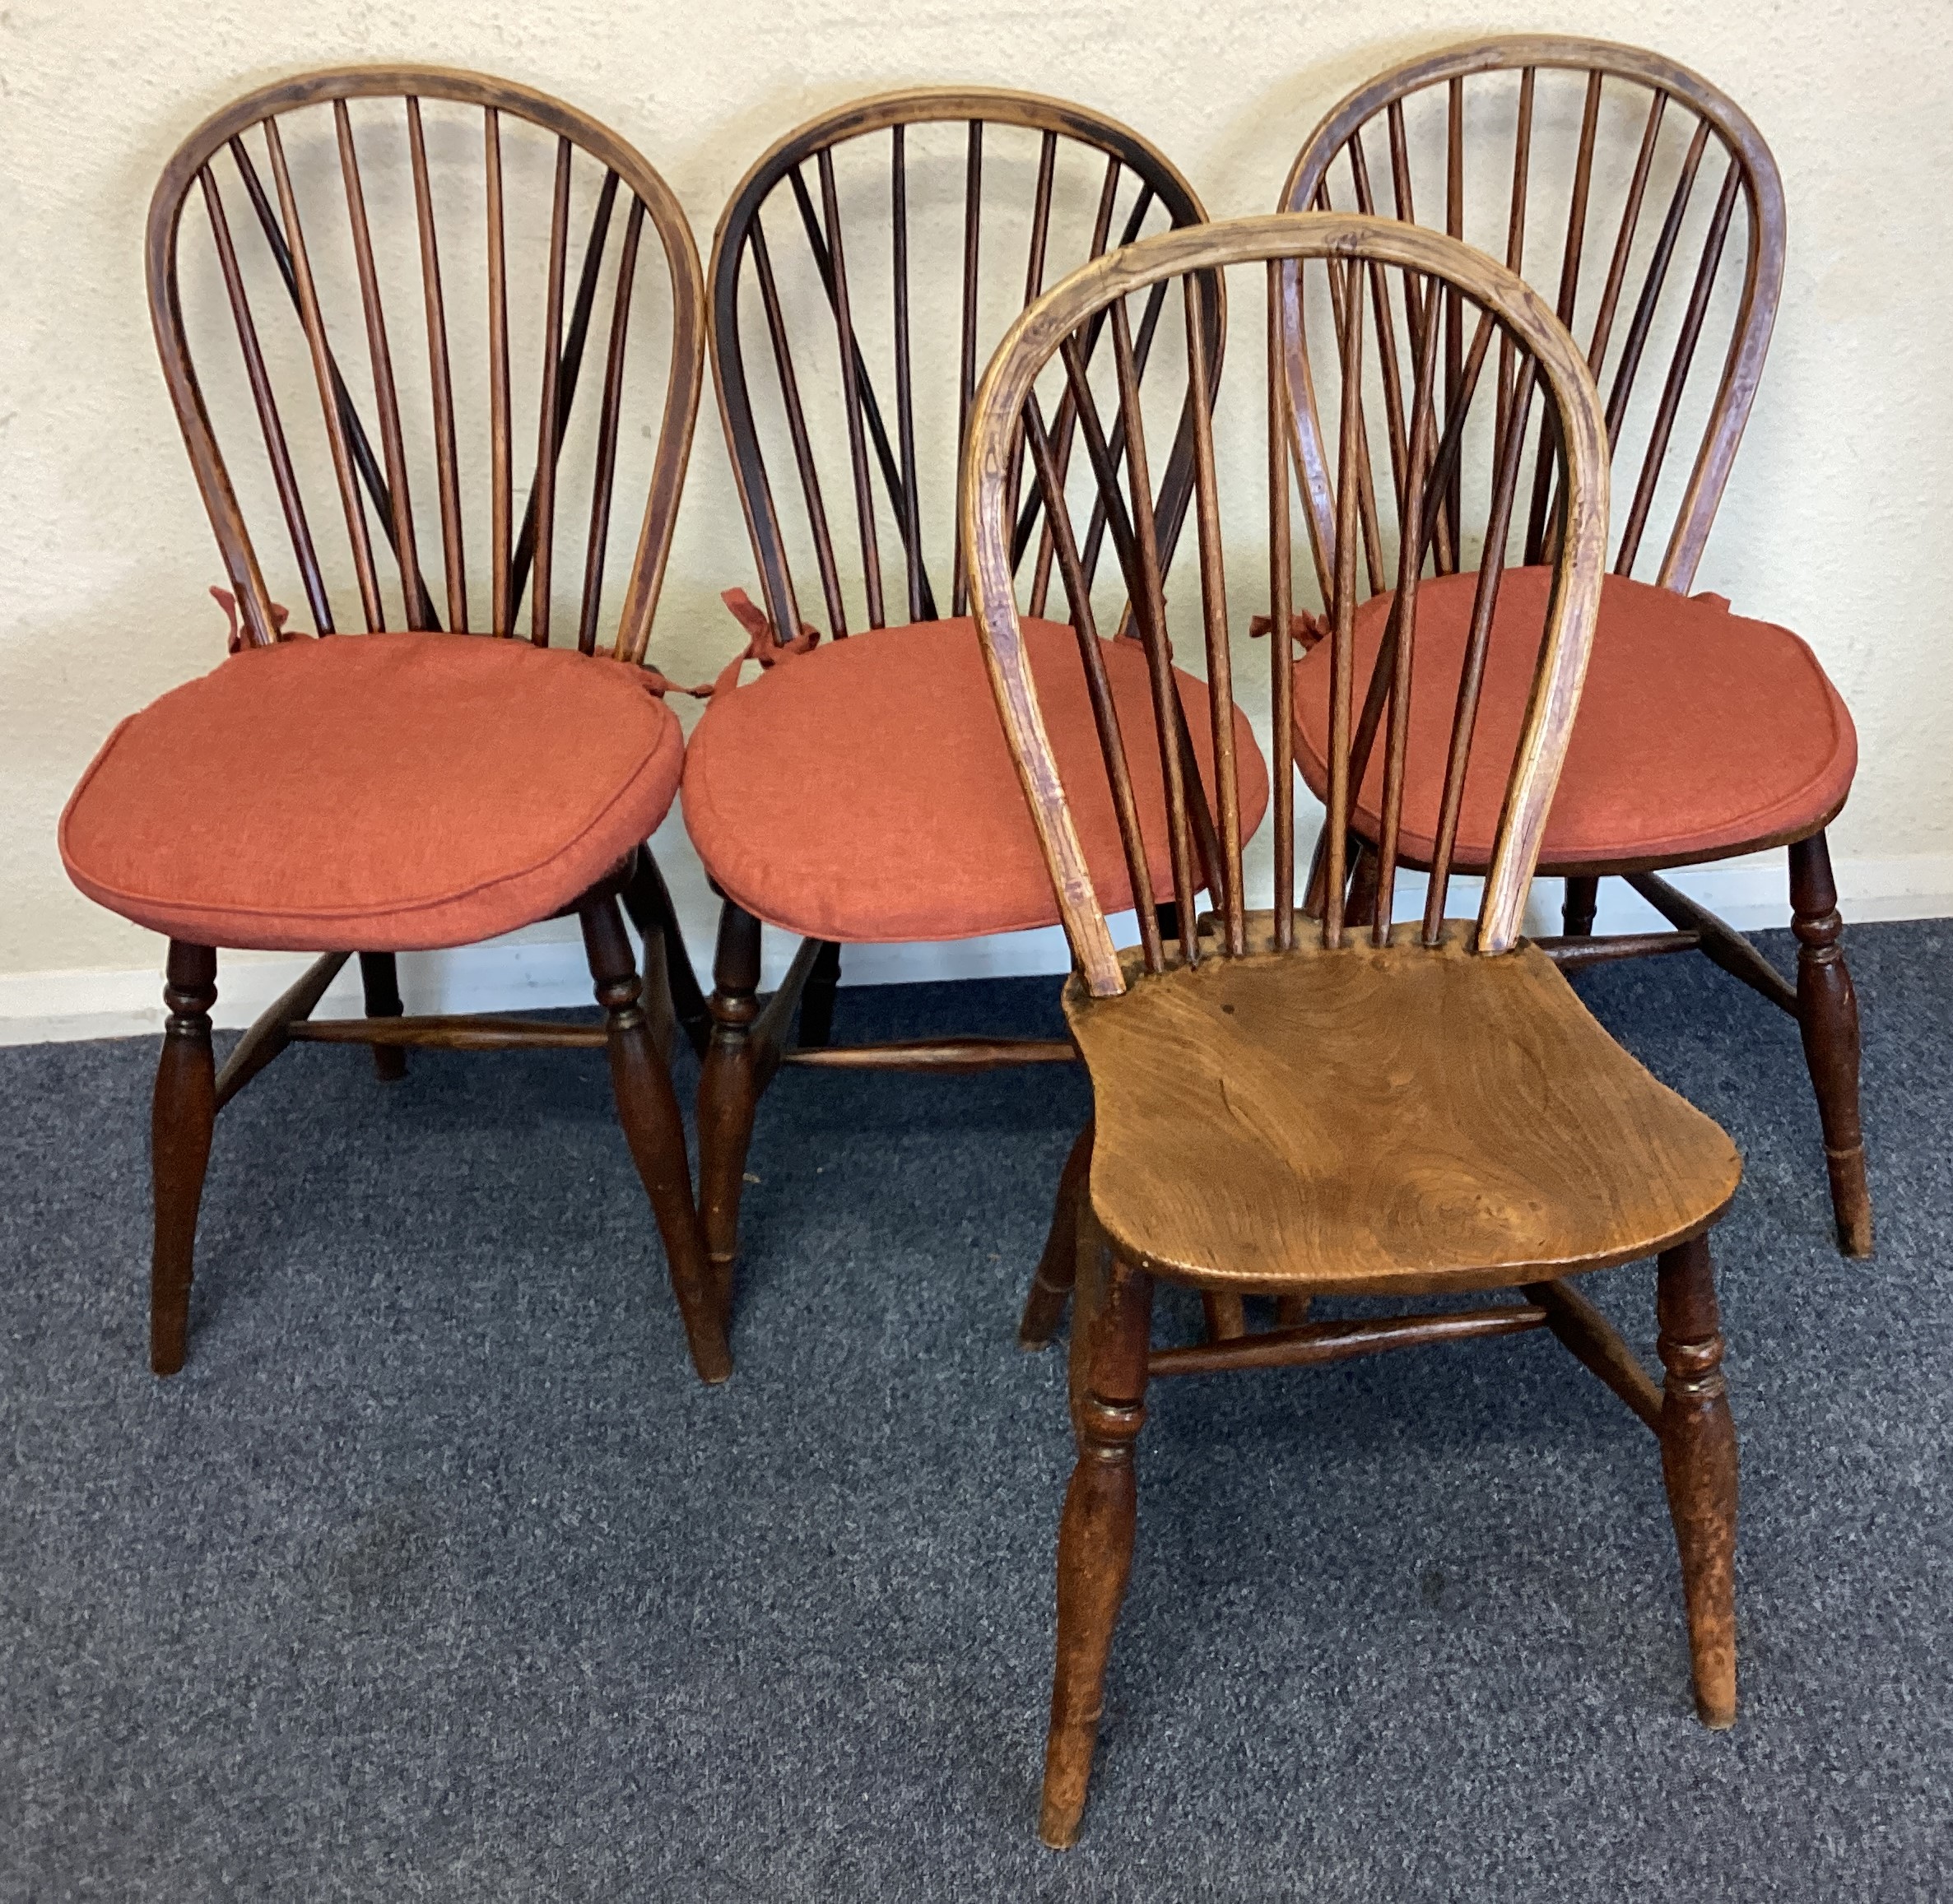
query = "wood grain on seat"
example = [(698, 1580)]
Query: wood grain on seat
[(1381, 1120)]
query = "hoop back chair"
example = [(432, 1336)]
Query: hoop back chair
[(1658, 226), (389, 790), (1293, 1104), (858, 789)]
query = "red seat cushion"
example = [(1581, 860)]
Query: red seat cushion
[(373, 792), (1701, 733), (865, 792)]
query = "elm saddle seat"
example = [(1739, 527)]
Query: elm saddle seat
[(1387, 1121), (394, 792), (1701, 733)]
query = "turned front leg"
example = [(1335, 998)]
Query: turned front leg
[(1827, 1010), (1052, 1283), (648, 1108), (182, 1113), (1698, 1467), (1094, 1542), (729, 1088)]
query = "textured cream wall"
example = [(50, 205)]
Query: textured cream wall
[(1837, 521)]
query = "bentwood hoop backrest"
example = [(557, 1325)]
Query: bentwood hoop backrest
[(352, 146), (1327, 263), (876, 270), (1636, 206)]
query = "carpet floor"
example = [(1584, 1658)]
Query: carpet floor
[(436, 1575)]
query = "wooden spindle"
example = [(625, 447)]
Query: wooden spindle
[(545, 481), (973, 214), (1678, 370), (447, 459), (1624, 240), (1515, 230), (1651, 285), (1150, 609), (502, 511), (604, 480), (1485, 604), (1033, 283), (1041, 575), (1351, 450), (1386, 326), (575, 336), (385, 396), (255, 600), (1454, 300), (1213, 595), (1112, 746), (911, 529), (858, 447), (1411, 519), (803, 448), (1282, 613), (1570, 285), (325, 372)]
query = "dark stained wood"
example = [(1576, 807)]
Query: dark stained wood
[(1699, 1465), (801, 184), (639, 1030), (1575, 954), (1827, 1015), (1094, 1542), (1721, 944), (648, 1108), (181, 1117), (548, 427), (1591, 1337), (379, 979), (944, 1054), (1583, 895), (1057, 1273), (273, 1031), (1314, 1344)]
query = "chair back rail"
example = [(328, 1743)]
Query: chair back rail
[(919, 186), (1660, 156), (1321, 275), (279, 131)]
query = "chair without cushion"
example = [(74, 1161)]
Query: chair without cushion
[(1702, 734), (858, 789), (1295, 1105), (414, 786)]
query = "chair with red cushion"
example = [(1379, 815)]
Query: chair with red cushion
[(1648, 205), (856, 788), (446, 774)]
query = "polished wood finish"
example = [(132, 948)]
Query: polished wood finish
[(343, 112), (1827, 1015), (1335, 1102), (1056, 1272), (1687, 133), (1699, 1465), (860, 499), (1536, 1146), (182, 1114)]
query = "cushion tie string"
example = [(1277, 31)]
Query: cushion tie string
[(1305, 629), (228, 602), (762, 644)]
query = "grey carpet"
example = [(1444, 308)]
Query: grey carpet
[(436, 1574)]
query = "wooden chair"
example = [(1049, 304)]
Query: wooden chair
[(858, 790), (388, 792), (1703, 735), (1289, 1106)]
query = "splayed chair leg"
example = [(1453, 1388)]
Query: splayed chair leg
[(1095, 1544), (182, 1115), (817, 996), (1058, 1267), (728, 1090), (379, 979), (1827, 1009), (1582, 903), (648, 1107), (1699, 1468)]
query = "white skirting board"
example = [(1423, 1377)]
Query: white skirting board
[(544, 967)]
